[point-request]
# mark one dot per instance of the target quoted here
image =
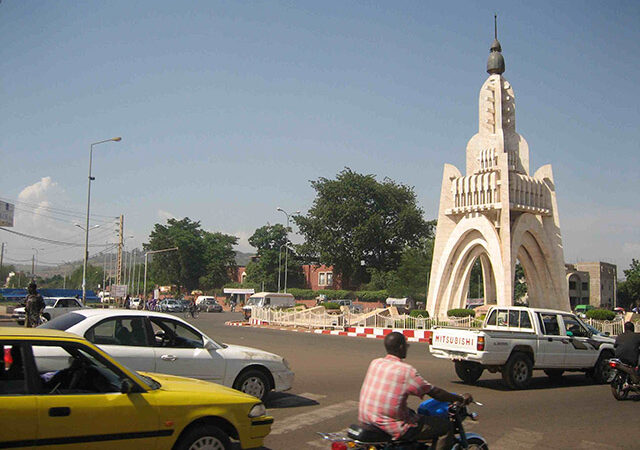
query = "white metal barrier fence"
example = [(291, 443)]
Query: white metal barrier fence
[(313, 319), (613, 327)]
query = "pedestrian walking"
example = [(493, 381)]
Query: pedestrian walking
[(33, 306), (127, 302)]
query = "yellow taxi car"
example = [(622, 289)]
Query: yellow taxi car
[(87, 400)]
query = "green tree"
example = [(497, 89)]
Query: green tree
[(411, 278), (4, 273), (270, 242), (629, 289), (476, 284), (219, 259), (356, 219), (56, 281), (519, 283), (93, 278), (185, 266), (19, 280)]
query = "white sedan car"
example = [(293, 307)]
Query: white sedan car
[(157, 342), (54, 307)]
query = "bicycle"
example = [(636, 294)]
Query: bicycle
[(192, 311)]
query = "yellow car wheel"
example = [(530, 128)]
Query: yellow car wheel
[(204, 437)]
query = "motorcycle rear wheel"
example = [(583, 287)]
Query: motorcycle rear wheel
[(617, 388)]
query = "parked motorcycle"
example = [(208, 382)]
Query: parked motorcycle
[(358, 437), (624, 379)]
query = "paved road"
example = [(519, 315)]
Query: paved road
[(573, 414)]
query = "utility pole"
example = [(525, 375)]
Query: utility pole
[(104, 272), (120, 243), (1, 257), (33, 264), (2, 280)]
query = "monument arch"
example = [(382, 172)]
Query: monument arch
[(497, 213)]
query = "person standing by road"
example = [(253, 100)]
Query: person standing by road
[(33, 306), (127, 302), (383, 398)]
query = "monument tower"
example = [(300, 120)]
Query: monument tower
[(497, 213)]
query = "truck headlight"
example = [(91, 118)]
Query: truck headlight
[(257, 410)]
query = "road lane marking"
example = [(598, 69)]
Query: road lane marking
[(310, 396), (293, 423), (595, 445), (324, 443)]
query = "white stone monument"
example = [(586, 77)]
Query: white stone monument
[(498, 213)]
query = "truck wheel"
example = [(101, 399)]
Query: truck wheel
[(601, 371), (517, 372), (554, 374), (469, 372)]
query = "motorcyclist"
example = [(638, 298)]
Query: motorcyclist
[(33, 306), (627, 346), (383, 398)]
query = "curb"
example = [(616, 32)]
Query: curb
[(238, 324), (361, 332)]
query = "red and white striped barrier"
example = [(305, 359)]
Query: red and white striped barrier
[(364, 332), (378, 333)]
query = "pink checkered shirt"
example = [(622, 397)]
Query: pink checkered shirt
[(383, 397)]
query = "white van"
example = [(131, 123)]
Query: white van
[(202, 298), (268, 300)]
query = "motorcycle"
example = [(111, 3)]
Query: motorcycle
[(358, 437), (624, 379)]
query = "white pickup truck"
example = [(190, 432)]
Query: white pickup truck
[(517, 340)]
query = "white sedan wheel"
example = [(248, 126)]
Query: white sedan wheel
[(253, 383)]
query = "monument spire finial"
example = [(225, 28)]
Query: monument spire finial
[(495, 64)]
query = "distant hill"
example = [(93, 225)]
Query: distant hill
[(242, 259)]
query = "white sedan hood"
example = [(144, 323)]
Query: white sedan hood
[(247, 353)]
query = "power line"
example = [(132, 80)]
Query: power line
[(50, 241), (71, 212), (65, 217)]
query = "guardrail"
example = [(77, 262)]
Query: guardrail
[(340, 320), (314, 319), (613, 327)]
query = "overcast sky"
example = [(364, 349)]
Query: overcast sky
[(228, 109)]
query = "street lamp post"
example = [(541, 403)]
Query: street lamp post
[(280, 262), (34, 262), (86, 228), (144, 284), (286, 249)]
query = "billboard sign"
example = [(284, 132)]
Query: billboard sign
[(119, 290), (6, 214)]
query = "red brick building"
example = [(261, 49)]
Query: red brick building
[(320, 277), (316, 277)]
